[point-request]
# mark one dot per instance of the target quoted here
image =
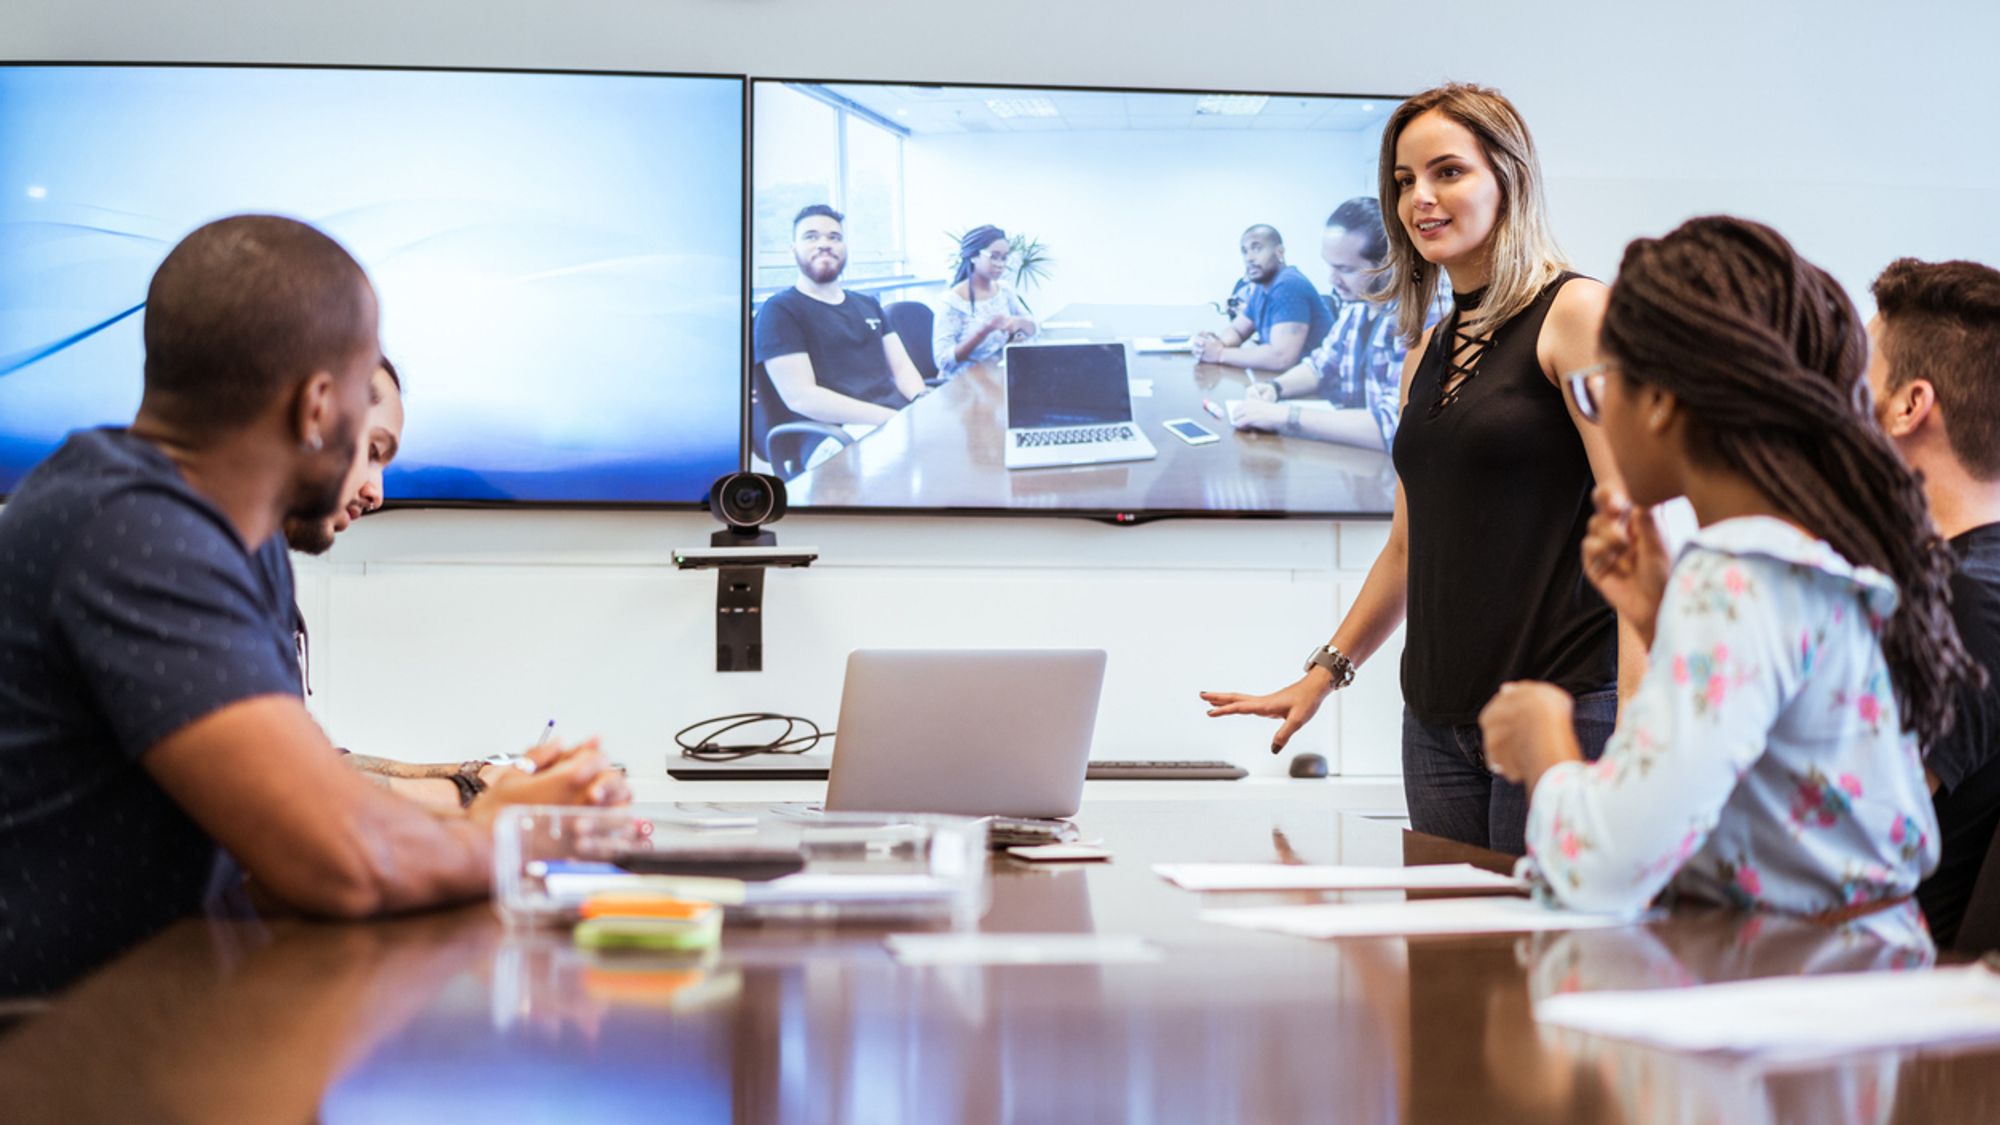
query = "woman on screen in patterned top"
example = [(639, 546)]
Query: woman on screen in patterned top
[(1802, 646), (978, 314), (1494, 471)]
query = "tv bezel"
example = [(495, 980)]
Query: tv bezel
[(743, 221), (1112, 516)]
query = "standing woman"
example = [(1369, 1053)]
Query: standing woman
[(978, 313), (1494, 472)]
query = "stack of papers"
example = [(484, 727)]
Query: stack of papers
[(1796, 1018), (1304, 877), (1490, 915)]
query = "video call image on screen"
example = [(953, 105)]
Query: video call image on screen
[(558, 257), (1136, 218)]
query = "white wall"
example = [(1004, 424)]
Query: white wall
[(1138, 218), (1863, 131)]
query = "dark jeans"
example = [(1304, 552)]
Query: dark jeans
[(1452, 793)]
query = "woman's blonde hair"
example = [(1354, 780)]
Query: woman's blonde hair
[(1525, 257)]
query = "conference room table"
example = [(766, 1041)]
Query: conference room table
[(946, 450), (452, 1016)]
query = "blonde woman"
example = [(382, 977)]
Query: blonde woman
[(1494, 471)]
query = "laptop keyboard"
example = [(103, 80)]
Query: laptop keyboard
[(1164, 771), (1075, 435)]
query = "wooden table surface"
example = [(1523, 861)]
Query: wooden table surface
[(944, 451), (450, 1017)]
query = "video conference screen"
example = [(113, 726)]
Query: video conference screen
[(974, 222), (558, 256)]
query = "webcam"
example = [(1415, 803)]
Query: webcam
[(747, 501)]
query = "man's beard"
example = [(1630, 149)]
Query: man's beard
[(309, 537), (821, 270), (316, 499)]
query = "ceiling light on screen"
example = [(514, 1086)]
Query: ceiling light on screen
[(37, 191), (1022, 107), (1231, 105)]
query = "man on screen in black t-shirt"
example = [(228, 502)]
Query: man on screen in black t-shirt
[(1935, 374), (830, 353)]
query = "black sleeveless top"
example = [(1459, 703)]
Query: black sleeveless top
[(1497, 490)]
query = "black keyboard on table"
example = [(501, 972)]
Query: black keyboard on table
[(1164, 771)]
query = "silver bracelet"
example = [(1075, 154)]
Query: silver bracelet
[(1292, 415)]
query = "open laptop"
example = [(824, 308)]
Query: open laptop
[(978, 732), (1070, 404)]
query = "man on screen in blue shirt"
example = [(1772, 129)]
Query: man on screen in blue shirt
[(829, 352), (1283, 320)]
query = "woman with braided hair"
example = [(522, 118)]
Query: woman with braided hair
[(978, 314), (1801, 648)]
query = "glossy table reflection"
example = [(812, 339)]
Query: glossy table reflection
[(449, 1016), (945, 450)]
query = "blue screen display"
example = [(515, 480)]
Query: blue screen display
[(558, 257)]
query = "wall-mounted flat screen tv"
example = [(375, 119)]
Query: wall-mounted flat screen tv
[(983, 299), (559, 256)]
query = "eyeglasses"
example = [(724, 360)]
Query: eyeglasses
[(1586, 389), (999, 259)]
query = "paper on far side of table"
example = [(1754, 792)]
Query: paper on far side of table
[(1331, 877), (1491, 914), (1048, 324), (1797, 1017)]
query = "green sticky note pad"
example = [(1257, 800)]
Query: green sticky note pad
[(648, 933)]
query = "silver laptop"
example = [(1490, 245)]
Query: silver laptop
[(1070, 404), (974, 732)]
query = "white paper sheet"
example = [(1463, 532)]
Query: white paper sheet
[(1490, 915), (1020, 949), (1793, 1018), (1048, 324), (1235, 406), (1305, 877)]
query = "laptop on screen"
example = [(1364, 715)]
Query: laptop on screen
[(1070, 404), (977, 732)]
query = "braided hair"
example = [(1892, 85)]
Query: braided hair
[(1766, 355), (969, 246)]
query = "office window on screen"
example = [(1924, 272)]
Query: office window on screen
[(813, 146)]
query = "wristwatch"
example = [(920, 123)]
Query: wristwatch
[(1335, 662)]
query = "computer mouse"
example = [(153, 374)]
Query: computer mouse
[(1308, 765)]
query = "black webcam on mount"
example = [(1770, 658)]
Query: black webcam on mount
[(745, 502)]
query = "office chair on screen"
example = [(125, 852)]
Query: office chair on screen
[(912, 322), (1979, 930), (781, 436)]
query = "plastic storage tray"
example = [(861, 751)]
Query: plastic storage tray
[(859, 867)]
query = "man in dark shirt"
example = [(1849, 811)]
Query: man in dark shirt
[(1284, 318), (150, 717), (1935, 374), (830, 353)]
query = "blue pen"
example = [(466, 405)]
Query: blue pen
[(548, 732)]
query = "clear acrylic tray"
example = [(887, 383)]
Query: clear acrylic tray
[(849, 867)]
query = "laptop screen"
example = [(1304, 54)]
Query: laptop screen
[(1067, 385)]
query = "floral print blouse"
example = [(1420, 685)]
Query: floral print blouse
[(1762, 762)]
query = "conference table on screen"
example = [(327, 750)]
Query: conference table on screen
[(453, 1016), (946, 449)]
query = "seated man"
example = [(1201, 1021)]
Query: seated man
[(151, 725), (1358, 369), (1934, 373), (1283, 319), (447, 785), (830, 353)]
